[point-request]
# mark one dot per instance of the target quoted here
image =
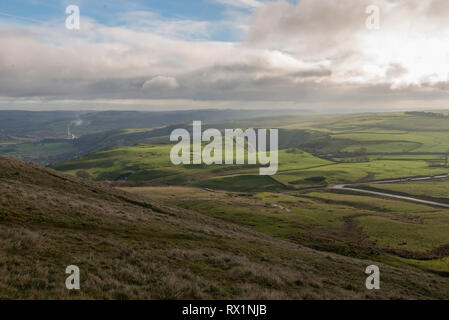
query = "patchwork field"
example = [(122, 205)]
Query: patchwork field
[(298, 204)]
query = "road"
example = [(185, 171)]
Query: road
[(350, 187), (385, 194), (408, 179)]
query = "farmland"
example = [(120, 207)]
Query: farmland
[(140, 247), (313, 151), (298, 204)]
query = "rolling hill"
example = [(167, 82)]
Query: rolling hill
[(336, 149), (132, 247)]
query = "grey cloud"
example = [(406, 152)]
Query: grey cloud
[(395, 70), (313, 73), (317, 51), (161, 82)]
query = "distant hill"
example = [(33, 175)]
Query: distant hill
[(55, 124), (46, 137), (12, 120), (130, 247)]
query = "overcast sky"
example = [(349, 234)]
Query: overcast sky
[(167, 54)]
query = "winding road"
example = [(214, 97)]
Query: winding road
[(350, 187)]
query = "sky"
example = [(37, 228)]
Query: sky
[(322, 55)]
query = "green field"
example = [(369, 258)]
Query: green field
[(152, 163), (139, 247), (392, 230), (295, 207), (295, 204), (365, 171), (430, 188)]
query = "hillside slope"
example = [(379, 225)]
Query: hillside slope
[(128, 247)]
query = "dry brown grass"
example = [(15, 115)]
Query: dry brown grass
[(130, 247)]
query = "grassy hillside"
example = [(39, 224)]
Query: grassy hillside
[(41, 137), (315, 151), (128, 246), (151, 163), (384, 230), (344, 138)]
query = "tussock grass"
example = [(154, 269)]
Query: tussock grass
[(130, 247)]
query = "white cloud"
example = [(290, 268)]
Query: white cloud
[(174, 28), (240, 3), (314, 52), (413, 34), (161, 82)]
